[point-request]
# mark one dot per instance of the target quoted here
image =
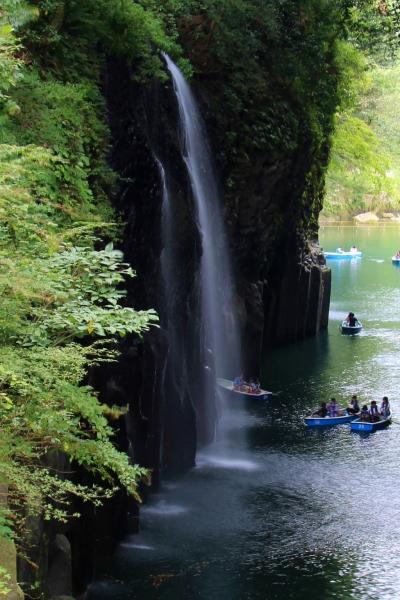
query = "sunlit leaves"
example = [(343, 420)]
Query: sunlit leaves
[(364, 172), (59, 283)]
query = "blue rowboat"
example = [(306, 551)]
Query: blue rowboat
[(342, 254), (359, 425), (351, 329), (315, 421), (227, 385)]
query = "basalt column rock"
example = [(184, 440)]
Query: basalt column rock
[(299, 306)]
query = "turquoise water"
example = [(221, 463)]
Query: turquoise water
[(274, 511)]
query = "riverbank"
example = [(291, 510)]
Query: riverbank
[(368, 218)]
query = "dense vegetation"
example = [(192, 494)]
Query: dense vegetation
[(61, 285), (364, 171), (282, 92), (62, 280)]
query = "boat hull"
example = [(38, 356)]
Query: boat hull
[(365, 426), (343, 254), (348, 330), (227, 386), (396, 261), (329, 421)]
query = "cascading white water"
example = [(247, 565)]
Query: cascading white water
[(176, 360), (167, 232), (218, 318)]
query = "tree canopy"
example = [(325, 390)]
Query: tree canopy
[(363, 173)]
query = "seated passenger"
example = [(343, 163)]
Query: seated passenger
[(385, 407), (353, 407), (364, 413), (333, 408), (238, 382), (252, 386), (322, 411), (398, 254), (353, 249), (351, 320), (373, 412)]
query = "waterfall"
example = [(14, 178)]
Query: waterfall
[(170, 281), (219, 320)]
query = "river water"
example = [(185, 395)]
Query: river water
[(274, 511)]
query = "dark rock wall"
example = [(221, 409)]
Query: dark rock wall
[(144, 125), (283, 283)]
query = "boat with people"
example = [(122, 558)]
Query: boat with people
[(396, 258), (351, 329), (369, 426), (318, 421), (331, 413), (339, 253), (243, 388)]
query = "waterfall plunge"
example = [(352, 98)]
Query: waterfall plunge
[(218, 315)]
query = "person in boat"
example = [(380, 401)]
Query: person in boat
[(385, 407), (353, 249), (351, 320), (353, 407), (364, 414), (322, 411), (373, 411), (238, 382), (254, 386), (398, 254), (333, 408)]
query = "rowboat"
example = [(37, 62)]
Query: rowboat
[(359, 425), (343, 254), (315, 421), (351, 329), (395, 260), (244, 390)]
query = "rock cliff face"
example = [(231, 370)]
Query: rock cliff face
[(282, 281)]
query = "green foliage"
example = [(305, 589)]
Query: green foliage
[(79, 296), (59, 282), (69, 37), (358, 177), (5, 580), (9, 67), (364, 172), (272, 74), (374, 27), (355, 77)]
